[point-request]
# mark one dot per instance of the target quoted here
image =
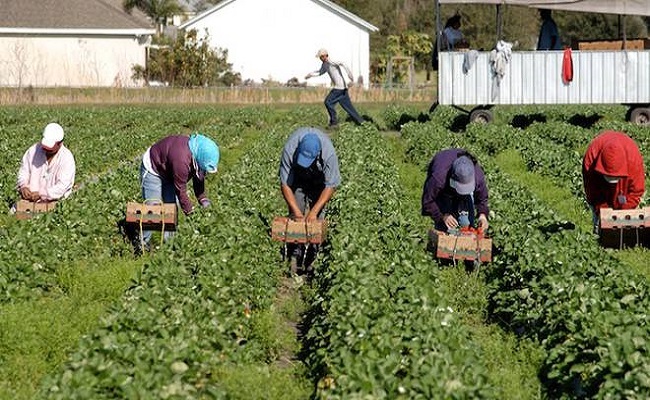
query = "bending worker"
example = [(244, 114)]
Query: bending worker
[(169, 164), (309, 175), (455, 191), (47, 170), (612, 173)]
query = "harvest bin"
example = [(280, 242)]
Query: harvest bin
[(624, 228), (460, 246), (26, 209), (285, 229), (152, 216)]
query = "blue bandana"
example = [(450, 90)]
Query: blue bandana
[(205, 152)]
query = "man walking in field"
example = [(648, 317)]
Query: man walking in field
[(339, 93), (309, 175), (47, 170)]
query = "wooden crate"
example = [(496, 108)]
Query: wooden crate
[(460, 246), (630, 44), (26, 209), (152, 216), (285, 229), (624, 228)]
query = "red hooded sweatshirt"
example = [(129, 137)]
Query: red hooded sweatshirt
[(614, 154)]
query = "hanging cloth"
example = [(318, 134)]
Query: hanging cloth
[(567, 66)]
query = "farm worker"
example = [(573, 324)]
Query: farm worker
[(454, 188), (169, 164), (309, 175), (47, 170), (549, 37), (339, 93), (612, 173), (452, 37)]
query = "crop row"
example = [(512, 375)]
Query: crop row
[(380, 327), (557, 286), (198, 304)]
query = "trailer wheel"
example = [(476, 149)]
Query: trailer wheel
[(640, 116), (480, 116)]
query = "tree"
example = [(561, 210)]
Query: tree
[(189, 61), (157, 10)]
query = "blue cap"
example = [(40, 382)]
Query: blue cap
[(205, 152), (308, 149), (462, 176)]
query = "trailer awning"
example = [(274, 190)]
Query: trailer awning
[(622, 7)]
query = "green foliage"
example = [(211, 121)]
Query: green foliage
[(188, 61)]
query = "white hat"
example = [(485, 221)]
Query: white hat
[(321, 52), (52, 134)]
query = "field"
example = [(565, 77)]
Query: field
[(213, 314)]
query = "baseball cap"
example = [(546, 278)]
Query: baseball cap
[(52, 134), (308, 149), (321, 52), (462, 176)]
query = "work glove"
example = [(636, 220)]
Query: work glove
[(205, 202), (622, 199)]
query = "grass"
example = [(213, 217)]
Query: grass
[(36, 335)]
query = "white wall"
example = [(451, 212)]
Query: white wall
[(69, 61), (278, 39)]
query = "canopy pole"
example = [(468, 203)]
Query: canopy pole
[(499, 22)]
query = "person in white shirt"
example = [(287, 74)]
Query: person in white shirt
[(339, 93), (47, 170)]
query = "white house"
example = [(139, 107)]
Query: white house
[(278, 40), (72, 43)]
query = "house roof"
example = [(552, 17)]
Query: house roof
[(43, 16), (325, 3)]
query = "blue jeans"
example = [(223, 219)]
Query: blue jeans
[(154, 188), (341, 96)]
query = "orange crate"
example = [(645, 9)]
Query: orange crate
[(285, 229)]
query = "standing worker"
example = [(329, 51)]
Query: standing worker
[(48, 168), (309, 175), (549, 37), (169, 164), (454, 190), (339, 93), (612, 173)]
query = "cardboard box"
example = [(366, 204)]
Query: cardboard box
[(26, 209), (460, 246), (624, 228), (152, 216), (287, 230)]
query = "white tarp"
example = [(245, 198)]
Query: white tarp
[(623, 7)]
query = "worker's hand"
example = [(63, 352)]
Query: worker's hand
[(483, 223), (307, 76), (36, 197), (350, 84), (205, 202), (298, 217), (25, 193), (450, 221), (622, 199), (311, 217)]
